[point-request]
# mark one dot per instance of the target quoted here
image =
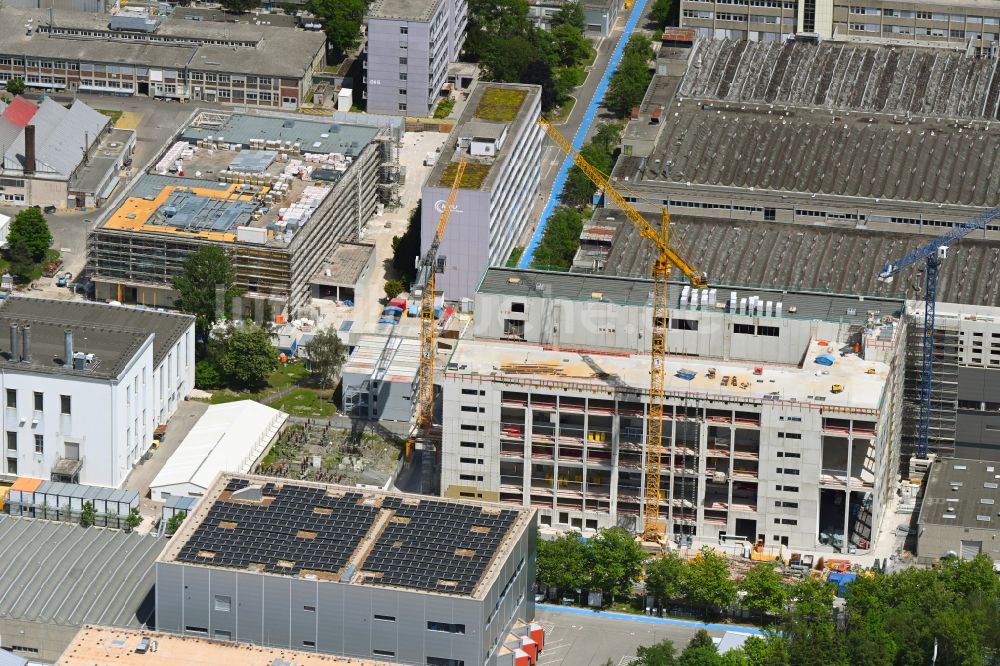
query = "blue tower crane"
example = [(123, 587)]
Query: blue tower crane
[(933, 254)]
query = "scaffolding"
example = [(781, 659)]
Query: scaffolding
[(944, 390)]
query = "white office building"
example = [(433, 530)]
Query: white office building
[(85, 385), (499, 139)]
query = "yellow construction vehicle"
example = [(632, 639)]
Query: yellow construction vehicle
[(666, 257), (428, 336)]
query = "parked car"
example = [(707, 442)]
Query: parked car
[(49, 210), (143, 646)]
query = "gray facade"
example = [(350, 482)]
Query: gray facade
[(360, 618), (409, 48), (488, 220), (977, 431), (782, 458), (599, 15)]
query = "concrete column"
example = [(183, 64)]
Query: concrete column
[(613, 477)]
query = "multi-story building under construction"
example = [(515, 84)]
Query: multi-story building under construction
[(783, 409), (276, 193)]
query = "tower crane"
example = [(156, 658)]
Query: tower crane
[(932, 254), (666, 257), (427, 268)]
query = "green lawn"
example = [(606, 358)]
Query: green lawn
[(281, 378), (306, 403), (111, 113), (444, 108), (559, 115), (472, 178)]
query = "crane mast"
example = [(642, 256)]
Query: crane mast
[(666, 259), (932, 254), (428, 336)]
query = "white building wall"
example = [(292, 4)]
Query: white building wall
[(112, 420)]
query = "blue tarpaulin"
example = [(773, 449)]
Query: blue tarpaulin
[(686, 374), (393, 310), (825, 359)]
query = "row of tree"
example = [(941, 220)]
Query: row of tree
[(629, 82), (899, 619), (511, 48)]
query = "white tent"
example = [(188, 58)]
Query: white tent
[(228, 438)]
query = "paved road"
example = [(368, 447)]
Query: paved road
[(552, 157), (580, 637)]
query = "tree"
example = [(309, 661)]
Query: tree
[(765, 593), (88, 515), (174, 522), (562, 563), (342, 22), (29, 236), (539, 73), (393, 288), (248, 356), (326, 356), (570, 14), (570, 45), (15, 86), (134, 519), (706, 581), (616, 560), (560, 240), (599, 152), (665, 578), (629, 82), (660, 12), (700, 651), (207, 375), (660, 654), (768, 650), (207, 287), (238, 6), (406, 249), (809, 628)]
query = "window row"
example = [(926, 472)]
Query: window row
[(38, 401)]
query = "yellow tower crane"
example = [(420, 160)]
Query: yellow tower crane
[(428, 337), (666, 257)]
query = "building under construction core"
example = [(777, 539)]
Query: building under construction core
[(278, 194), (783, 408), (874, 137)]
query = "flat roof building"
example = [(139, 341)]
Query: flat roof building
[(959, 513), (379, 378), (277, 193), (599, 15), (59, 577), (390, 576), (87, 384), (154, 56), (782, 419), (410, 44), (498, 137)]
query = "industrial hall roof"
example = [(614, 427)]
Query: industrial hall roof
[(857, 122), (315, 531), (802, 257), (56, 573), (113, 334)]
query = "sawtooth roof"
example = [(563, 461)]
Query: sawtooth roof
[(809, 258)]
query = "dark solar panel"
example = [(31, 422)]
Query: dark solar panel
[(432, 545)]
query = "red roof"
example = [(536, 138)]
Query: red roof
[(20, 111)]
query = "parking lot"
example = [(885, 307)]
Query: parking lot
[(580, 637)]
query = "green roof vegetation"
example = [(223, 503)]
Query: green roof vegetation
[(500, 104), (472, 179)]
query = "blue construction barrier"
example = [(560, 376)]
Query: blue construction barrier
[(581, 133)]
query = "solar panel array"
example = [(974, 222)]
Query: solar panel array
[(265, 535), (427, 545), (438, 546)]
